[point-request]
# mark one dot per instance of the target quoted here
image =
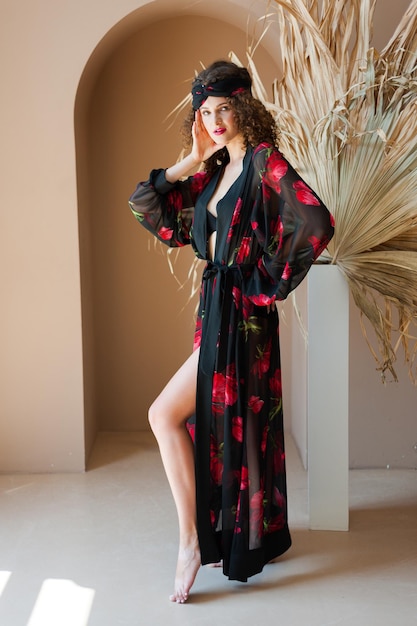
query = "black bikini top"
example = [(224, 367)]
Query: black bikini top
[(211, 223)]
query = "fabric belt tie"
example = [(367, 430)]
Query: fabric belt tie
[(219, 298)]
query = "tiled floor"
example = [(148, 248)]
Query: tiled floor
[(99, 549)]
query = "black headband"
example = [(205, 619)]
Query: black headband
[(221, 88)]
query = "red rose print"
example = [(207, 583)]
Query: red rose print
[(219, 382), (263, 356), (276, 523), (261, 267), (214, 284), (191, 430), (218, 393), (230, 386), (237, 429), (262, 299), (279, 499), (165, 233), (286, 274), (304, 194), (198, 182), (216, 469), (237, 296), (266, 193), (224, 389), (257, 513), (262, 145), (244, 478), (255, 404), (236, 212), (175, 200), (247, 308), (275, 384), (239, 90), (279, 460), (276, 168), (318, 245), (277, 233), (235, 218), (264, 439), (244, 250)]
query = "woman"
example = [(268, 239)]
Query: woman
[(218, 422)]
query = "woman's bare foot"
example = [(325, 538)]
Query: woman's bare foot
[(189, 561)]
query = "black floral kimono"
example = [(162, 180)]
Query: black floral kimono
[(270, 228)]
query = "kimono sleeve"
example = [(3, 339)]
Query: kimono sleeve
[(167, 209), (291, 224)]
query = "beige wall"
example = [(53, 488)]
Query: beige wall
[(143, 323), (50, 405), (47, 47), (382, 418)]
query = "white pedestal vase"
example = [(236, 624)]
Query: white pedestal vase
[(328, 398)]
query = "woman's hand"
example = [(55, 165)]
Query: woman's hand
[(203, 148), (203, 145)]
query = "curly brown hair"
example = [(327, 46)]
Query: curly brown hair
[(254, 121)]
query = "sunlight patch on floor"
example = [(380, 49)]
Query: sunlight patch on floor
[(62, 602), (4, 579)]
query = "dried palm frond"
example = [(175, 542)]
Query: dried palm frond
[(347, 117), (348, 124)]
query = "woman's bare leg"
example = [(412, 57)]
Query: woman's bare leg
[(167, 417)]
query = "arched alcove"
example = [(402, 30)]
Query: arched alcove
[(137, 323), (55, 64)]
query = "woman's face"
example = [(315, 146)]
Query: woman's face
[(219, 120)]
